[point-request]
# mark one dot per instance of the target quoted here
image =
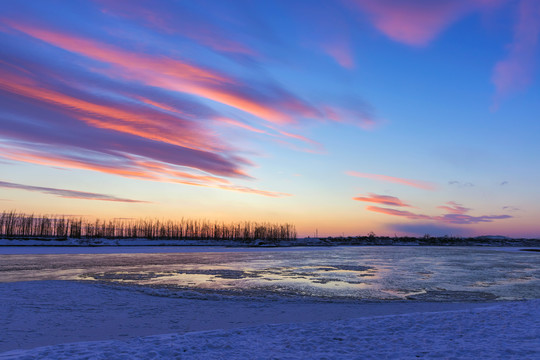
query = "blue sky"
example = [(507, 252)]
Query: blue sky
[(342, 117)]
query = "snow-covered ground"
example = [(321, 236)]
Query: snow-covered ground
[(155, 242), (73, 320)]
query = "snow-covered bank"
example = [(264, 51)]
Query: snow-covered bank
[(24, 250), (59, 312), (498, 241), (120, 242)]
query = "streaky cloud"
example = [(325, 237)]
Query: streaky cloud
[(402, 213), (452, 218), (132, 135), (174, 18), (408, 182), (467, 219), (175, 75), (341, 53), (382, 199), (460, 184), (454, 208), (265, 100), (132, 167), (71, 194), (511, 208), (516, 71)]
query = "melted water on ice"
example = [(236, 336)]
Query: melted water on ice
[(340, 273)]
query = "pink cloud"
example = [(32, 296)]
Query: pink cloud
[(266, 101), (414, 183), (317, 146), (101, 103), (229, 121), (147, 124), (417, 22), (341, 52), (276, 133), (133, 168), (516, 72), (167, 73), (394, 212), (274, 105), (381, 199), (454, 208), (361, 116)]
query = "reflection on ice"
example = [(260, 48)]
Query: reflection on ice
[(350, 273), (326, 280)]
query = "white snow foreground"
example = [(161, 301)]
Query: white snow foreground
[(156, 242), (501, 331)]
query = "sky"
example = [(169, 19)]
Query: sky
[(343, 117)]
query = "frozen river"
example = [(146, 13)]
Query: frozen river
[(336, 273)]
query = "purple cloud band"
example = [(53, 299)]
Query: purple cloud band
[(71, 194), (461, 219)]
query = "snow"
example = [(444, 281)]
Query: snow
[(153, 242), (74, 320), (111, 242), (135, 249)]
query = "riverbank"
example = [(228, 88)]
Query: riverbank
[(499, 241)]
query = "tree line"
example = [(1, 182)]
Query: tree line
[(20, 225)]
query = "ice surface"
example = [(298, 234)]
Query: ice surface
[(133, 299), (345, 273)]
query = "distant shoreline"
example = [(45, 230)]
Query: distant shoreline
[(484, 241)]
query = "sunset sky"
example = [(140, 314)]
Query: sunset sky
[(341, 117)]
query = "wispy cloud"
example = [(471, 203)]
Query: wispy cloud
[(408, 182), (133, 167), (381, 199), (330, 29), (266, 101), (71, 194), (88, 98), (510, 208), (515, 72), (341, 53), (451, 218), (417, 22), (468, 219), (394, 212), (168, 73), (455, 213), (454, 208), (172, 18), (67, 117), (460, 184)]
